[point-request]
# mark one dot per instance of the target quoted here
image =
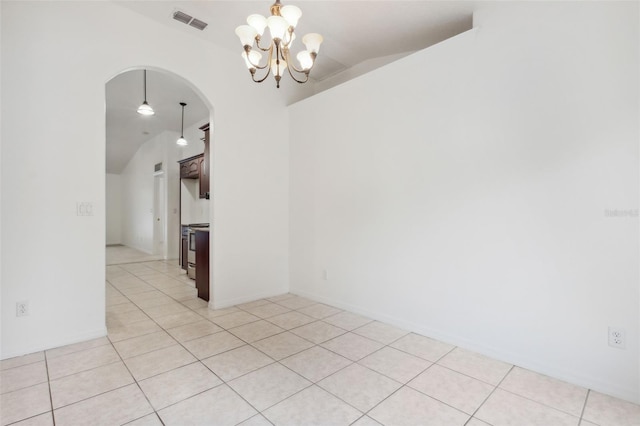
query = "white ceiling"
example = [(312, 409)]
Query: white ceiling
[(127, 130), (355, 33)]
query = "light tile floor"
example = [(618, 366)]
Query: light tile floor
[(285, 360)]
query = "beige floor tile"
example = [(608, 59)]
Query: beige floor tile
[(123, 307), (582, 423), (21, 360), (22, 377), (177, 385), (194, 330), (475, 365), (70, 389), (76, 347), (137, 289), (454, 389), (319, 311), (24, 403), (115, 300), (234, 319), (76, 362), (423, 347), (214, 344), (112, 408), (255, 331), (408, 407), (45, 419), (148, 420), (296, 302), (316, 363), (218, 406), (505, 408), (607, 410), (143, 344), (210, 314), (254, 304), (237, 362), (147, 295), (352, 346), (268, 385), (119, 319), (196, 304), (347, 320), (133, 330), (176, 320), (281, 297), (359, 386), (282, 345), (153, 302), (312, 407), (257, 420), (546, 390), (267, 310), (290, 320), (160, 361), (366, 421), (318, 332), (398, 365), (165, 309), (381, 332), (475, 422)]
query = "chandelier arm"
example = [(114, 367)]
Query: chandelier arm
[(295, 79), (253, 74), (264, 49)]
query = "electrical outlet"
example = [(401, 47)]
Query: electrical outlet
[(22, 309), (325, 274), (84, 208), (617, 338)]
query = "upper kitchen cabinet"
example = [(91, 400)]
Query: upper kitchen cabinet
[(190, 167), (205, 164), (197, 167)]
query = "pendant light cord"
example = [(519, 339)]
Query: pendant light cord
[(145, 85), (182, 126)]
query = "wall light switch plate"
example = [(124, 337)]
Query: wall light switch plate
[(84, 208)]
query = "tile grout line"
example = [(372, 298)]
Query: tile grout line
[(491, 393)]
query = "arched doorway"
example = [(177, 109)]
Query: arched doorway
[(143, 181)]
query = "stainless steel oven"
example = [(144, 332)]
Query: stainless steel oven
[(191, 255), (191, 252)]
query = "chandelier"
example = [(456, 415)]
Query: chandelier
[(281, 23)]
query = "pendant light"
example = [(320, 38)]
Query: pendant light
[(182, 141), (145, 108)]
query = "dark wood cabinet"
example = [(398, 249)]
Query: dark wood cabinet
[(190, 167), (205, 165), (202, 264)]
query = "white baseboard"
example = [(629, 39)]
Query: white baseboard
[(64, 341), (521, 360)]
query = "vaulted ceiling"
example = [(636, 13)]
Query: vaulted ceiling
[(358, 36)]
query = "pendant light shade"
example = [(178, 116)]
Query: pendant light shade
[(181, 140), (145, 108)]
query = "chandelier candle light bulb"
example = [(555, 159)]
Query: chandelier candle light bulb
[(282, 24)]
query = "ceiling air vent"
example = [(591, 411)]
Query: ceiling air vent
[(189, 20), (196, 23)]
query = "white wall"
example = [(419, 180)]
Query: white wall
[(461, 191), (113, 208), (138, 191), (59, 64)]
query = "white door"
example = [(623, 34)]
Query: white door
[(159, 208)]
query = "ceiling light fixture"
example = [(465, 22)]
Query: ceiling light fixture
[(281, 23), (145, 108), (182, 141)]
